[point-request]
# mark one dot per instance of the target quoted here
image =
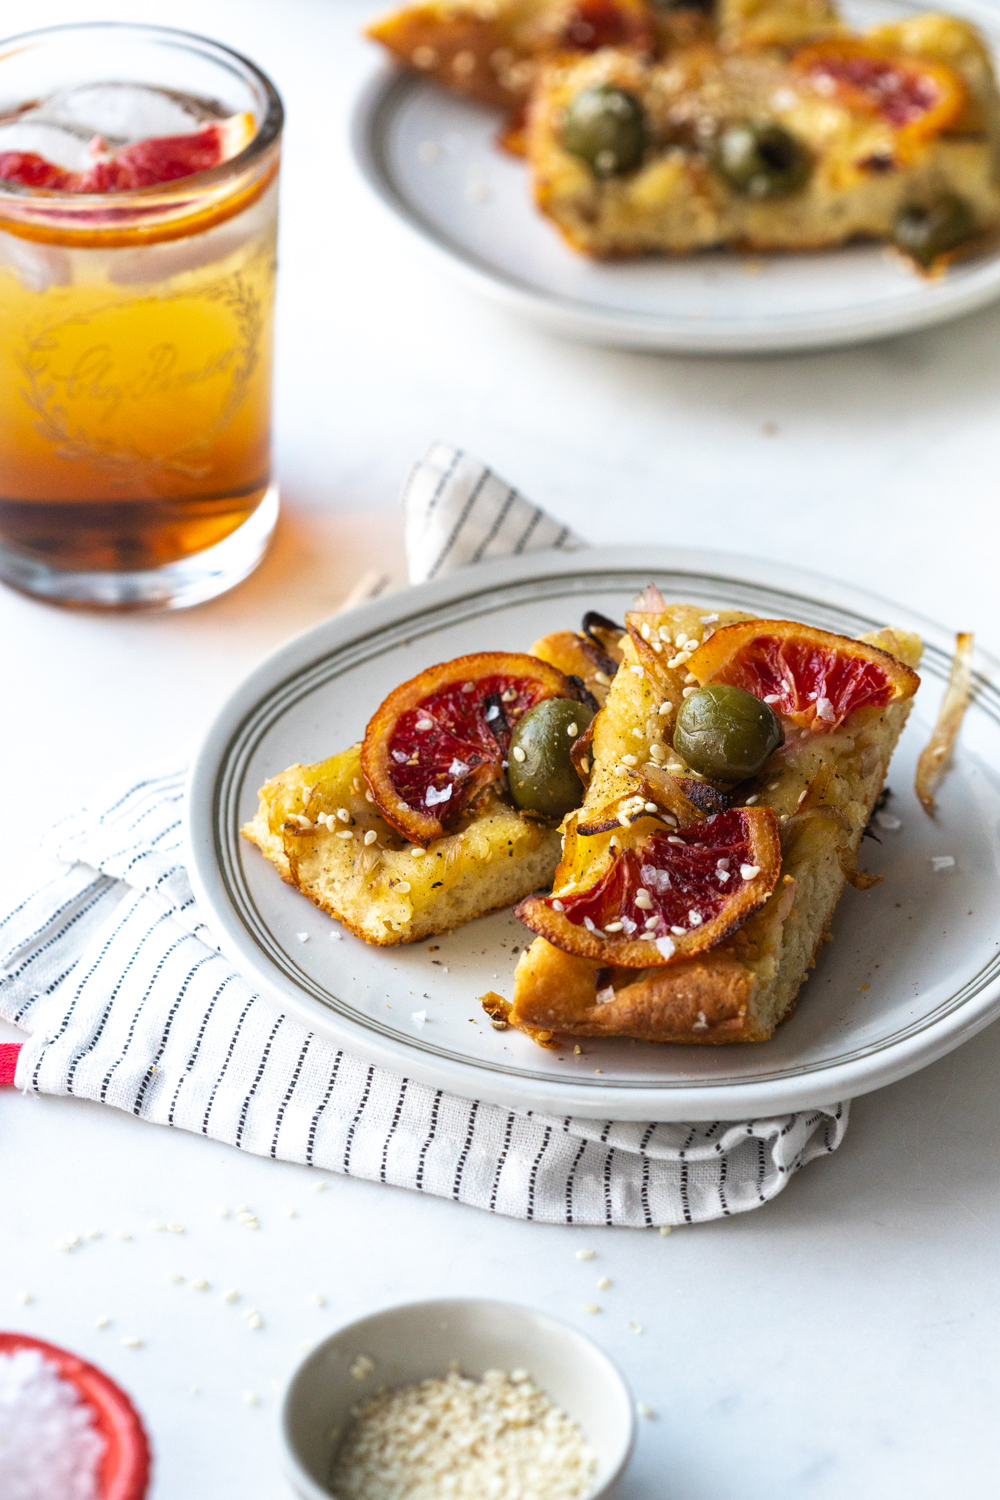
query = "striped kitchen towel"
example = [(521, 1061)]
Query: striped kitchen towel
[(127, 1000)]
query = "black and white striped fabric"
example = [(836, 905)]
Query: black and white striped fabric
[(127, 1000)]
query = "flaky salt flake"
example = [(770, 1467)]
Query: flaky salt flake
[(419, 1017), (302, 937), (942, 862), (362, 1367)]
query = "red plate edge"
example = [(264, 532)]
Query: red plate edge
[(124, 1469)]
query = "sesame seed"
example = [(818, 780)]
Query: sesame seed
[(175, 1277), (604, 1283), (639, 734), (102, 1322), (751, 800), (417, 853), (557, 905), (402, 886), (694, 917), (650, 922), (635, 1327), (343, 814), (678, 931), (223, 1213), (602, 678), (362, 1367), (772, 697), (643, 900), (256, 1322), (707, 619), (573, 730), (157, 1224), (288, 1211), (176, 1228), (590, 1307), (577, 1050), (231, 1296), (369, 797), (748, 872), (645, 1411), (122, 1234), (666, 1229), (250, 1397), (630, 760), (518, 755), (201, 1285), (612, 926), (321, 1186), (586, 1254), (131, 1341), (644, 630), (649, 807), (370, 838), (318, 1299)]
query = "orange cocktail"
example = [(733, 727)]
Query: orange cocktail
[(137, 264)]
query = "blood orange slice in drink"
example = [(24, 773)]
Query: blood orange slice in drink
[(813, 677), (666, 895), (442, 738), (141, 164)]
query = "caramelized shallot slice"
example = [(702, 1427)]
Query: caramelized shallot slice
[(934, 758)]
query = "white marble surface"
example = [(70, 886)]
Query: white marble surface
[(840, 1342)]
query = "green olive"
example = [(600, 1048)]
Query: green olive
[(927, 231), (541, 775), (607, 128), (725, 733), (761, 159)]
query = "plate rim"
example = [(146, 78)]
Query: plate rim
[(778, 334), (686, 1101)]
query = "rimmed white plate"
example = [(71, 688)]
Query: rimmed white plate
[(433, 161), (914, 968)]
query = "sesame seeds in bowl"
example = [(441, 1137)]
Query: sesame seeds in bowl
[(466, 1397)]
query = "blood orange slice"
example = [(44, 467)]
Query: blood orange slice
[(917, 96), (142, 164), (442, 738), (813, 677), (592, 24), (667, 895)]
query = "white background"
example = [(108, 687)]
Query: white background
[(842, 1341)]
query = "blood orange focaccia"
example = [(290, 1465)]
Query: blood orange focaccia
[(685, 910), (890, 135), (493, 50), (412, 831)]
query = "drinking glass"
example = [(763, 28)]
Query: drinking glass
[(135, 324)]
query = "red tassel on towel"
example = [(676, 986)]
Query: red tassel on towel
[(8, 1062)]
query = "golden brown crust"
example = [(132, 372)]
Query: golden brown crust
[(704, 1000)]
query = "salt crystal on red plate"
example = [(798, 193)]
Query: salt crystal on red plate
[(49, 1445)]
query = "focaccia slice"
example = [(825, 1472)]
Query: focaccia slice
[(491, 50), (819, 789), (880, 136), (399, 845)]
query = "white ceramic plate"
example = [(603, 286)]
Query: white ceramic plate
[(433, 161), (915, 966)]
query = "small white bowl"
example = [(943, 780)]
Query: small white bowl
[(421, 1339)]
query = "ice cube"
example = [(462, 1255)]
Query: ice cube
[(65, 146), (126, 112), (37, 267)]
